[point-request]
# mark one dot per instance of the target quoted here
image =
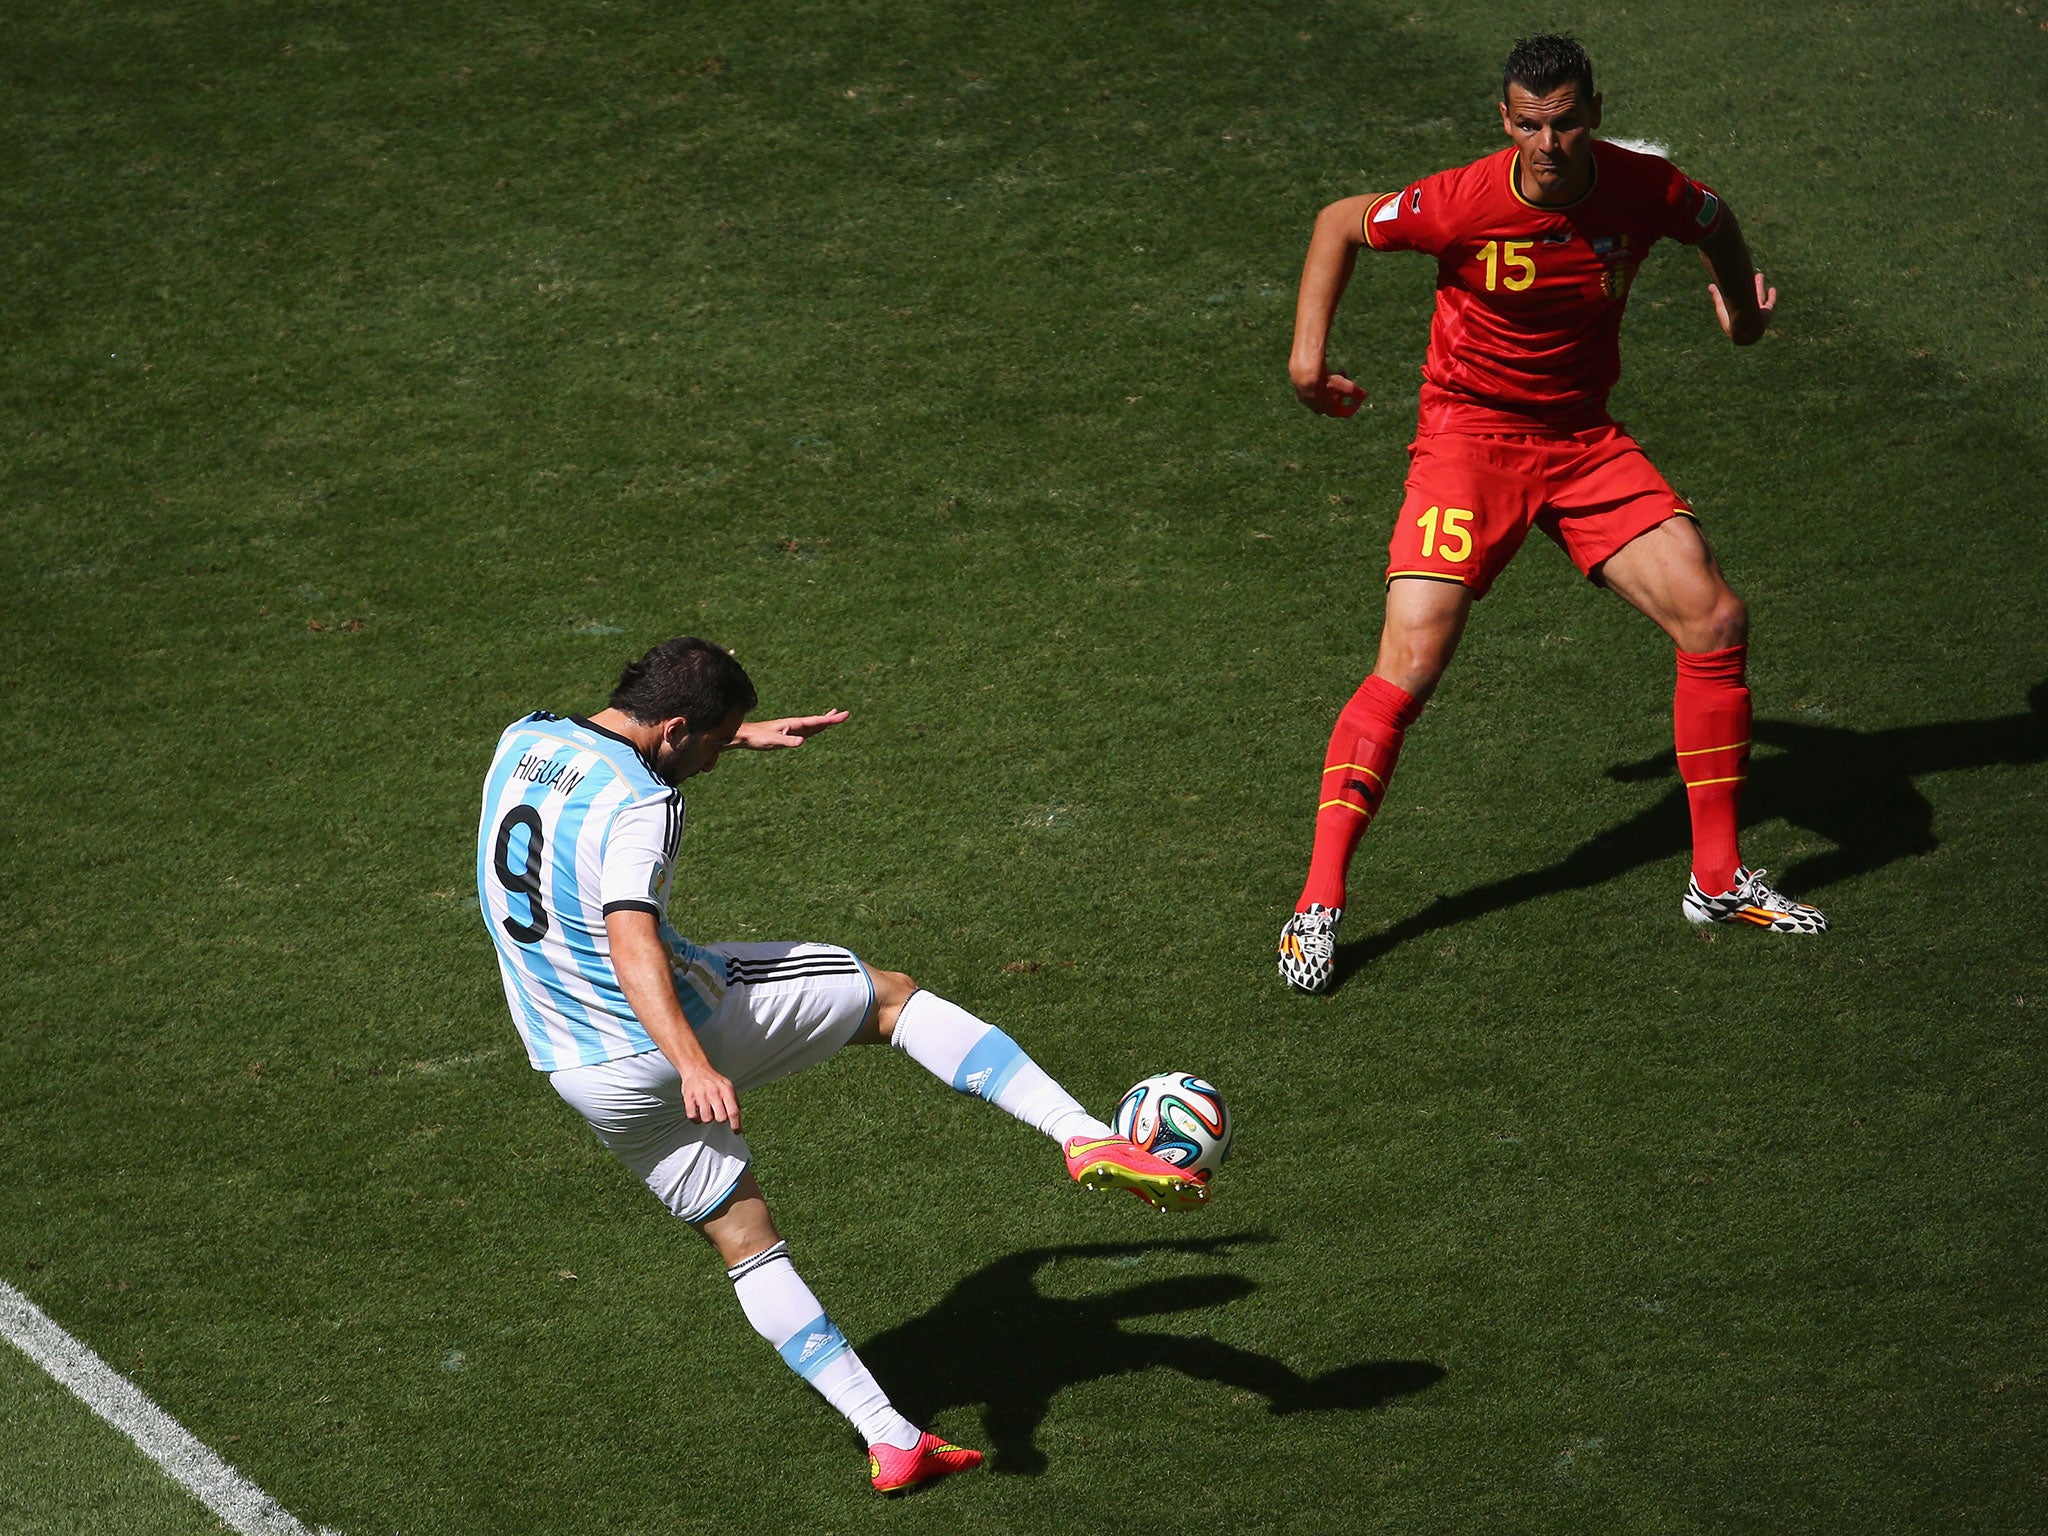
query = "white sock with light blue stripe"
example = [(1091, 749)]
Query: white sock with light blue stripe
[(786, 1314), (977, 1058)]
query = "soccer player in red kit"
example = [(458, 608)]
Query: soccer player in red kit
[(1535, 247)]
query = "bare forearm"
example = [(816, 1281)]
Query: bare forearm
[(642, 963), (640, 960), (1725, 255), (1332, 253)]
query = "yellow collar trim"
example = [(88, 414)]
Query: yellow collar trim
[(1515, 186)]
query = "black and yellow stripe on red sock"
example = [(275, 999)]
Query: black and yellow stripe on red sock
[(1364, 746)]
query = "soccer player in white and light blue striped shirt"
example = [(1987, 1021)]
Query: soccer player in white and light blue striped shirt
[(653, 1038)]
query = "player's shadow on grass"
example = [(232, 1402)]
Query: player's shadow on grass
[(998, 1340), (1854, 788)]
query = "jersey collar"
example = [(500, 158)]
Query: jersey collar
[(1515, 185), (591, 725)]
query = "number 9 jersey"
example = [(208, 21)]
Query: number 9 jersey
[(1529, 298), (576, 825)]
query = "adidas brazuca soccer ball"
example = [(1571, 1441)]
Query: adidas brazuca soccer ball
[(1179, 1119)]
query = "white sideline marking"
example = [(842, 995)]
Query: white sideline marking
[(239, 1502)]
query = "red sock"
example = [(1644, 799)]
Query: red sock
[(1363, 749), (1710, 723)]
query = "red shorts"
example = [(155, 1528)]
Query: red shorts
[(1471, 500)]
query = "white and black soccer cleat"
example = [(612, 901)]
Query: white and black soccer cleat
[(1752, 901), (1308, 948)]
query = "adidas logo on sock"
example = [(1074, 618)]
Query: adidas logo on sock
[(976, 1080), (812, 1345)]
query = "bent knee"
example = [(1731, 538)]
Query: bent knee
[(892, 988), (1724, 625), (1418, 682), (741, 1236), (1709, 617), (1414, 663)]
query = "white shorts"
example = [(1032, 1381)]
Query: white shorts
[(786, 1007)]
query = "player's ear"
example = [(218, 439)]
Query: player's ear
[(1505, 126), (1593, 114)]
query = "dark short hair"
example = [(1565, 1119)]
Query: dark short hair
[(688, 677), (1539, 65)]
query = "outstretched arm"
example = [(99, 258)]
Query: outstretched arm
[(1742, 303), (1332, 252), (642, 963), (766, 735)]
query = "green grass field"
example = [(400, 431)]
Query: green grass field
[(374, 375)]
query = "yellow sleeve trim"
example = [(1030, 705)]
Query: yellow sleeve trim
[(1371, 208)]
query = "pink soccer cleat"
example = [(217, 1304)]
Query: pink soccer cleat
[(893, 1470), (1111, 1162)]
